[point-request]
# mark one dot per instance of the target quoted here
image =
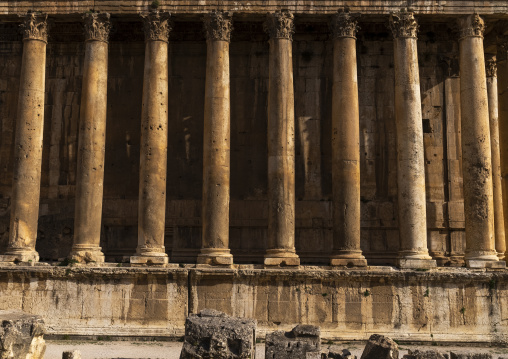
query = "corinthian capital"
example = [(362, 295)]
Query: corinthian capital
[(35, 27), (97, 26), (403, 24), (157, 26), (491, 66), (280, 25), (344, 24), (218, 26), (471, 25)]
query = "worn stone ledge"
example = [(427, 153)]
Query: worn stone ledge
[(497, 8), (455, 305)]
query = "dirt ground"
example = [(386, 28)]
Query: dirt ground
[(171, 350)]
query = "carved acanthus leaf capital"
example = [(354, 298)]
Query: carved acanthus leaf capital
[(491, 66), (35, 27), (344, 24), (403, 24), (218, 26), (280, 25), (97, 26), (157, 26), (471, 26)]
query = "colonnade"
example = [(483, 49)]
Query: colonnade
[(485, 156)]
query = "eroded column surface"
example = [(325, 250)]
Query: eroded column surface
[(216, 148), (476, 149), (345, 145), (499, 234), (154, 142), (92, 141), (410, 153), (281, 143), (502, 87), (26, 183)]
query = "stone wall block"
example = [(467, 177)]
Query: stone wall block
[(303, 342)]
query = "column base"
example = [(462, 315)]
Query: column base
[(19, 255), (348, 258), (478, 263), (86, 254), (501, 256), (278, 257), (150, 258), (415, 260), (215, 257)]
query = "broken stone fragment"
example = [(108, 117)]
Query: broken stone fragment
[(429, 354), (380, 347), (213, 334), (71, 354), (469, 356), (303, 342), (21, 335), (336, 352)]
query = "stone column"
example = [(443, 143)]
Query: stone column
[(476, 149), (91, 141), (499, 235), (345, 145), (502, 87), (281, 142), (26, 185), (410, 154), (216, 133), (154, 142)]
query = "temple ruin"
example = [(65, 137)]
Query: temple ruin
[(334, 163)]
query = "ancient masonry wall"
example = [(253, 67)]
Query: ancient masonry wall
[(449, 305), (312, 62)]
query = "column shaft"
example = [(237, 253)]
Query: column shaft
[(345, 146), (216, 148), (499, 233), (476, 149), (502, 86), (410, 153), (28, 144), (281, 143), (92, 142), (153, 145)]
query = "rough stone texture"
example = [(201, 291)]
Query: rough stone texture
[(281, 142), (91, 143), (380, 347), (153, 143), (213, 334), (21, 335), (454, 355), (429, 354), (345, 145), (26, 182), (156, 301), (410, 151), (476, 149), (337, 352), (304, 341), (216, 143), (71, 354)]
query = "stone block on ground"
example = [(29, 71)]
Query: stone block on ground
[(454, 355), (380, 347), (213, 334), (71, 354), (420, 354), (21, 335), (303, 342), (337, 352)]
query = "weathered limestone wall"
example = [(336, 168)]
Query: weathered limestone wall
[(454, 305), (312, 65)]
